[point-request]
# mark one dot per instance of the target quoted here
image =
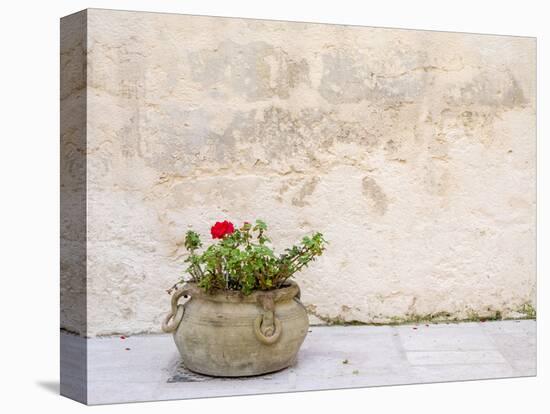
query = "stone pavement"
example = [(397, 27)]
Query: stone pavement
[(146, 367)]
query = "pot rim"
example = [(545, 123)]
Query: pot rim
[(289, 291)]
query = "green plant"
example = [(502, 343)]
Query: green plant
[(244, 260)]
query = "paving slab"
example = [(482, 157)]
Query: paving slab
[(147, 367)]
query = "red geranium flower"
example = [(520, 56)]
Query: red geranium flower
[(220, 229)]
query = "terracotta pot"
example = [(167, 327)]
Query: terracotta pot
[(227, 334)]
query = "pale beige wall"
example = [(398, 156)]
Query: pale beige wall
[(412, 151)]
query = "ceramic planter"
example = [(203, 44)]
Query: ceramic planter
[(228, 334)]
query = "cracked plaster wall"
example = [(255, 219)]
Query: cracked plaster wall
[(412, 151)]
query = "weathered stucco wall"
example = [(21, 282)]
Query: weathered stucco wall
[(412, 151)]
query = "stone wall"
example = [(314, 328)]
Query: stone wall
[(412, 151)]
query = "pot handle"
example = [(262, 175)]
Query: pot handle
[(267, 326), (173, 319), (272, 333)]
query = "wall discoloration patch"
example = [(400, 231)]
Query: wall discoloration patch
[(351, 77), (492, 90), (271, 137), (375, 195), (300, 200), (255, 70)]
